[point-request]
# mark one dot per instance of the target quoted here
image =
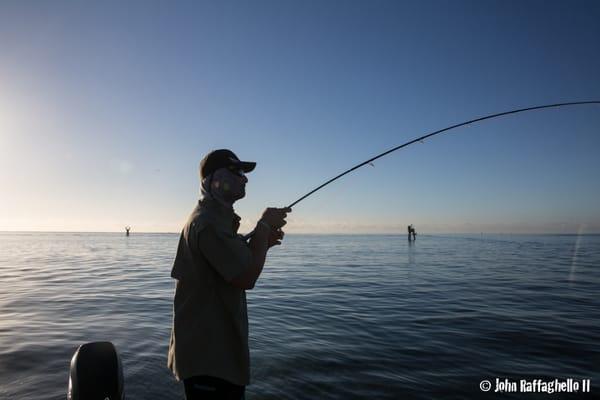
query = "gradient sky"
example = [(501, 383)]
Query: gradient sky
[(106, 109)]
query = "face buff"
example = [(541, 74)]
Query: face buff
[(223, 186)]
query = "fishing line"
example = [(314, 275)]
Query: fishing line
[(420, 139)]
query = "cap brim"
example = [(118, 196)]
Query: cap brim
[(247, 166)]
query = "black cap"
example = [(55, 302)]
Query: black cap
[(223, 158)]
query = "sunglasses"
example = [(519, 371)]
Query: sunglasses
[(236, 171)]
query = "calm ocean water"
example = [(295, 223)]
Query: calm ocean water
[(332, 317)]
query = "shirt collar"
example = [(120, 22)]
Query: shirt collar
[(225, 215)]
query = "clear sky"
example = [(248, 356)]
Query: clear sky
[(106, 109)]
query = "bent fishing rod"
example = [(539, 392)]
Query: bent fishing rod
[(431, 134)]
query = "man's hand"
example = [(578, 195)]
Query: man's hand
[(275, 237), (275, 217)]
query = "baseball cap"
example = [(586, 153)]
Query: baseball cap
[(223, 158)]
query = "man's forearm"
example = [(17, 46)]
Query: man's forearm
[(259, 245)]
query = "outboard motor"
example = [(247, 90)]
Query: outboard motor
[(96, 373)]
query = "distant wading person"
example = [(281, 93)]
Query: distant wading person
[(214, 267), (412, 234)]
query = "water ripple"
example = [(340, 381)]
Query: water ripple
[(332, 317)]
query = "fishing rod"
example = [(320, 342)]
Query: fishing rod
[(420, 139), (431, 134)]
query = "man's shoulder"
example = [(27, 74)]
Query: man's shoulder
[(200, 219)]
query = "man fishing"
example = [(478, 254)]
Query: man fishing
[(214, 267)]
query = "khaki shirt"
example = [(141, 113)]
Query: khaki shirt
[(210, 322)]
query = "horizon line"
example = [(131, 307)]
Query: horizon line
[(330, 233)]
